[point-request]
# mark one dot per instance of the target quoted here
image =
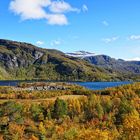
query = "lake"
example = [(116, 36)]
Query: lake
[(101, 85), (89, 85)]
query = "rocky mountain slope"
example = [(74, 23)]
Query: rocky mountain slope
[(117, 65), (112, 64), (19, 60)]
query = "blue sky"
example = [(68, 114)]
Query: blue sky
[(109, 27)]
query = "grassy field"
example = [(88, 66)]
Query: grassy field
[(64, 97)]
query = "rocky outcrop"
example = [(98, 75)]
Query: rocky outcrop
[(17, 54), (118, 65)]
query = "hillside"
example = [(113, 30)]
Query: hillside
[(117, 65), (19, 60), (111, 64), (24, 61)]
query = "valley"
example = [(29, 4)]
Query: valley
[(69, 70)]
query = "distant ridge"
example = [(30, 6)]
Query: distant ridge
[(107, 62)]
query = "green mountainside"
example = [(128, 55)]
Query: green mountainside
[(24, 61), (118, 65)]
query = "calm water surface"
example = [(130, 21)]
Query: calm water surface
[(101, 85), (89, 85)]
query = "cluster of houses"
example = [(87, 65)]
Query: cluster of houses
[(46, 88), (40, 87)]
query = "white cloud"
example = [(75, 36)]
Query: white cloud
[(62, 7), (56, 43), (39, 42), (30, 9), (105, 23), (109, 40), (84, 8), (134, 59), (52, 11), (134, 37), (58, 19)]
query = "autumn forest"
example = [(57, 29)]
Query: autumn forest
[(75, 113)]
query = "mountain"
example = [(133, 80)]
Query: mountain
[(112, 64), (19, 60), (24, 61)]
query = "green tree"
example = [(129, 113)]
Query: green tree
[(60, 108), (99, 110), (125, 108), (36, 110)]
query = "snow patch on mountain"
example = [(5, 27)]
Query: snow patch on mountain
[(81, 54)]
